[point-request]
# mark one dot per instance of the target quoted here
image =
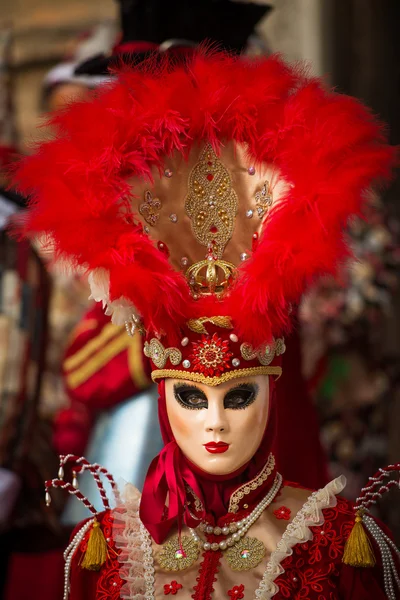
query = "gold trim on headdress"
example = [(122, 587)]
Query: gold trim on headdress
[(214, 381)]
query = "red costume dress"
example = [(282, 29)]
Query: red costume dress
[(203, 198)]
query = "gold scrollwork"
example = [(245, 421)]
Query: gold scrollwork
[(265, 353), (197, 325), (159, 355)]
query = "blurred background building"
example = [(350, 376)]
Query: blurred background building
[(86, 371)]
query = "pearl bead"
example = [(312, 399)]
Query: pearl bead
[(207, 546), (233, 338), (225, 530), (235, 362), (185, 341), (235, 537), (209, 529), (249, 213), (244, 256), (223, 545), (186, 364)]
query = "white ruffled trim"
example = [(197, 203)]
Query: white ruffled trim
[(120, 310), (298, 532), (136, 555)]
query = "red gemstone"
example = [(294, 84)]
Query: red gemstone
[(213, 229), (210, 176), (209, 163)]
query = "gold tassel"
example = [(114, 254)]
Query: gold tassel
[(96, 552), (358, 551)]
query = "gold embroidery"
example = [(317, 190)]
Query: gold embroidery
[(265, 353), (252, 485), (198, 505), (211, 203), (264, 199), (178, 555), (213, 381), (149, 209), (246, 554), (159, 355), (197, 325)]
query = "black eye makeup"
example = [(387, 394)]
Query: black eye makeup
[(241, 396), (190, 396), (238, 397)]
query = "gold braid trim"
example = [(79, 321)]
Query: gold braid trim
[(197, 325), (252, 485), (213, 381)]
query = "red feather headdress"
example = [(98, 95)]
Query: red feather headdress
[(116, 191)]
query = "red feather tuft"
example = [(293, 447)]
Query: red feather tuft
[(327, 146)]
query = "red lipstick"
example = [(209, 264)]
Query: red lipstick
[(216, 447)]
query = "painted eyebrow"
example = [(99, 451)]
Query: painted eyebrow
[(250, 387), (184, 386)]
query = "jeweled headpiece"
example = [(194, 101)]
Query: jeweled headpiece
[(203, 199)]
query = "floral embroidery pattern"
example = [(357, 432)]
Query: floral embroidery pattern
[(172, 588), (312, 570), (237, 592), (283, 513), (211, 356)]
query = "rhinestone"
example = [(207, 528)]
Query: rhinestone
[(186, 364), (184, 261), (146, 229), (245, 553), (251, 170), (244, 256), (209, 529), (185, 341), (173, 218), (236, 362), (249, 213), (168, 173), (217, 531), (233, 337), (179, 554)]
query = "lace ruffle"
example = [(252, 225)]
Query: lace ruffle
[(134, 543), (298, 532)]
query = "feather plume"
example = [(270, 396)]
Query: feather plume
[(327, 146)]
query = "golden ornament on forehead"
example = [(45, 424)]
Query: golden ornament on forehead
[(211, 203), (177, 556), (246, 554)]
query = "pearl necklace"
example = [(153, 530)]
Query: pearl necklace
[(240, 528)]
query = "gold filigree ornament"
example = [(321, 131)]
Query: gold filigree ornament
[(246, 554), (212, 203), (177, 556), (150, 208), (211, 276), (264, 199), (265, 353), (159, 355)]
